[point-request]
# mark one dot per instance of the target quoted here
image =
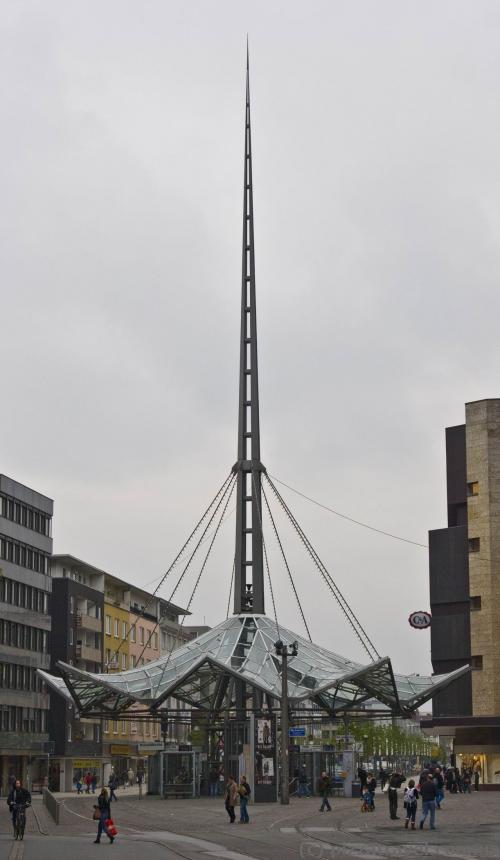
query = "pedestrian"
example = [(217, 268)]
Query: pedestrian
[(428, 795), (18, 796), (303, 783), (324, 789), (78, 786), (382, 775), (130, 775), (476, 780), (112, 785), (93, 782), (363, 777), (231, 798), (450, 780), (439, 783), (410, 802), (467, 781), (395, 781), (371, 786), (244, 791), (213, 779), (88, 782), (102, 813)]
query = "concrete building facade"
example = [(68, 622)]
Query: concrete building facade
[(25, 625), (465, 592), (77, 610)]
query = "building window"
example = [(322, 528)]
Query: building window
[(472, 488), (97, 733), (71, 604), (475, 603), (132, 661), (115, 727), (71, 636), (69, 733), (156, 641), (132, 632), (476, 662), (141, 635), (124, 661), (124, 629), (108, 625), (474, 544), (124, 727), (106, 727), (117, 628)]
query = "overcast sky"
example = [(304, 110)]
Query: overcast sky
[(376, 141)]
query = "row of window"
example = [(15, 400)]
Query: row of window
[(150, 727), (24, 555), (25, 596), (122, 627), (116, 659), (14, 677), (26, 516), (16, 635), (13, 719), (84, 732)]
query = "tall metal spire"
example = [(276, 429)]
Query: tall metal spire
[(249, 571)]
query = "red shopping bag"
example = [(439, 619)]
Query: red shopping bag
[(110, 825)]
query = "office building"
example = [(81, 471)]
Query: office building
[(25, 624), (464, 564), (77, 610)]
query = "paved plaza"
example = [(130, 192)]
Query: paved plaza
[(468, 827)]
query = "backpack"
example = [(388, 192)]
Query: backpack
[(409, 796)]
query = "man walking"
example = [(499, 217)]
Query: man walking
[(324, 788), (395, 782), (303, 786), (428, 795), (439, 783)]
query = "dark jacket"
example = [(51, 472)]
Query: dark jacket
[(438, 780), (20, 795), (428, 791), (372, 784), (324, 785), (103, 804), (396, 780)]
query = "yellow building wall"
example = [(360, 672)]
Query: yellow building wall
[(116, 730)]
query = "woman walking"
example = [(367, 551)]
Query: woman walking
[(244, 791), (410, 801), (104, 812), (231, 798)]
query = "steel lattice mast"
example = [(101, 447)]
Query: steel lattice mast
[(249, 571)]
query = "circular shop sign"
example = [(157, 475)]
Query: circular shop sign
[(420, 620)]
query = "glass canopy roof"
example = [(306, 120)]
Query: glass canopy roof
[(202, 673)]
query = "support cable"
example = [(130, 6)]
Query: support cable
[(353, 621), (256, 496), (286, 564), (349, 519), (231, 587), (222, 490), (228, 494)]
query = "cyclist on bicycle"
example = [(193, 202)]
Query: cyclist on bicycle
[(18, 796)]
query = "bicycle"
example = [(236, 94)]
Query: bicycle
[(20, 820)]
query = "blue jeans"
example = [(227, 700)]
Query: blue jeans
[(243, 810), (326, 802), (303, 789), (101, 825), (439, 796), (428, 806), (212, 787)]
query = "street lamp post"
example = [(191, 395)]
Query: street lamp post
[(285, 651)]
